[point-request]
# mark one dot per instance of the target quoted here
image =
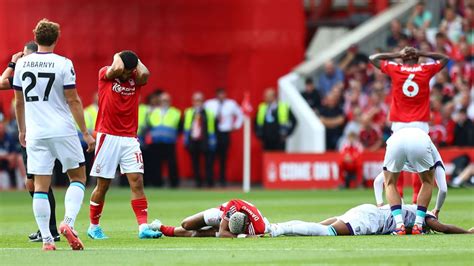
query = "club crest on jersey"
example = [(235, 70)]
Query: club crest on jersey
[(132, 82)]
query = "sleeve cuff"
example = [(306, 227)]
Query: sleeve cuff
[(17, 88), (70, 86)]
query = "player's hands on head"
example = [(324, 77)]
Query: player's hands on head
[(90, 142), (16, 56)]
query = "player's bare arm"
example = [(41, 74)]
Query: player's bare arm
[(142, 74), (116, 69), (224, 230), (443, 59), (8, 72), (75, 104), (376, 58), (437, 226), (20, 116)]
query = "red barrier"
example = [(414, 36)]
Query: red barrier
[(316, 171)]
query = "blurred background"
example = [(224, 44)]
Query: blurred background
[(294, 72)]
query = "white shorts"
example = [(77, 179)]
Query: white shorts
[(436, 158), (43, 152), (111, 151), (365, 219), (409, 145), (213, 217)]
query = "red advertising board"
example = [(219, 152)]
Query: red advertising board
[(321, 171)]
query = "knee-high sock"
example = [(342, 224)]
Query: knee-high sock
[(73, 202), (42, 212), (300, 228), (52, 204), (140, 208)]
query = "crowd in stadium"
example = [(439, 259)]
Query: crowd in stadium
[(352, 98)]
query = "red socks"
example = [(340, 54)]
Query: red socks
[(95, 211), (140, 208), (167, 230)]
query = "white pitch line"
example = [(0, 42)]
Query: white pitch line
[(261, 249)]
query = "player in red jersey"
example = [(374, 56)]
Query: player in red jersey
[(117, 143), (214, 222), (409, 113)]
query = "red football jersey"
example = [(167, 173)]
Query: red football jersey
[(410, 90), (118, 106), (257, 223)]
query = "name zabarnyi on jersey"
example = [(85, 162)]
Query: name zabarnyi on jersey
[(38, 64)]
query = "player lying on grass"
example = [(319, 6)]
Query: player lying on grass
[(214, 222), (365, 219)]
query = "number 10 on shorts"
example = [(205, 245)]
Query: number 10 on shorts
[(139, 157)]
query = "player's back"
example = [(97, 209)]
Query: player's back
[(410, 90), (43, 77)]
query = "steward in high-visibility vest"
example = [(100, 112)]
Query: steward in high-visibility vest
[(282, 118), (209, 134), (274, 122), (163, 125), (90, 116), (142, 115)]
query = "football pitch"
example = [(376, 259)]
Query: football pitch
[(124, 247)]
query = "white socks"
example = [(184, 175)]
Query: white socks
[(73, 202), (300, 228), (42, 212)]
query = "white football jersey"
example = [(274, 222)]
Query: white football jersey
[(43, 77)]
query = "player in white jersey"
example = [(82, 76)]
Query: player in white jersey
[(46, 102), (365, 219)]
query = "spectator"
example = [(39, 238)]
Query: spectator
[(354, 98), (420, 19), (7, 155), (200, 138), (451, 25), (464, 130), (370, 135), (163, 123), (229, 117), (274, 122), (331, 76), (350, 165), (311, 95), (333, 119), (396, 33)]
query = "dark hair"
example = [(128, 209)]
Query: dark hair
[(308, 81), (421, 2), (220, 90), (158, 91), (130, 59), (32, 46), (46, 32)]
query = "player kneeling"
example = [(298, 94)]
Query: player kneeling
[(216, 222)]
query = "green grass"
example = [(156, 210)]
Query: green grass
[(124, 248)]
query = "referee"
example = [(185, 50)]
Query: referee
[(6, 81), (228, 117)]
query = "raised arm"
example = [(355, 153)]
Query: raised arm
[(375, 58), (142, 73), (8, 72), (75, 104), (116, 69), (437, 226), (444, 59)]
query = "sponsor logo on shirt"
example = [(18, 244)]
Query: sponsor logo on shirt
[(123, 90)]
